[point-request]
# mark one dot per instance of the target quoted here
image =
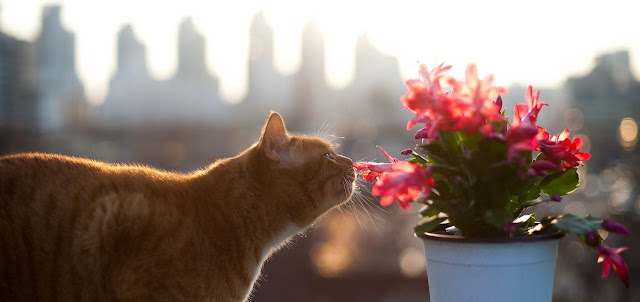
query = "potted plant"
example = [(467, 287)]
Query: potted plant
[(478, 174)]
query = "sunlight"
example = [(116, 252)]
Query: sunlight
[(410, 30), (628, 133)]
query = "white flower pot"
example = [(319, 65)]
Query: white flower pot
[(494, 270)]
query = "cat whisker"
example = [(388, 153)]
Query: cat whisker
[(359, 203), (372, 209), (324, 131), (370, 199), (317, 133), (350, 204)]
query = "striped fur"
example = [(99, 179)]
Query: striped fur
[(75, 229)]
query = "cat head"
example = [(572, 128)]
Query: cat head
[(305, 177)]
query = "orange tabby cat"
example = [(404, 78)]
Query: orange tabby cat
[(75, 229)]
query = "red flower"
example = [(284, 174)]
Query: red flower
[(610, 257), (528, 113), (404, 182), (522, 134), (560, 150), (425, 99), (424, 92), (521, 138), (472, 101), (371, 170)]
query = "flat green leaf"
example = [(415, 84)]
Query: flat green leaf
[(577, 224), (428, 211), (531, 194), (428, 223), (561, 183)]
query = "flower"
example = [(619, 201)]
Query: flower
[(404, 182), (609, 256), (425, 97), (560, 150), (522, 136), (593, 238), (473, 102), (528, 113), (615, 227), (478, 171), (371, 170), (540, 167), (406, 152)]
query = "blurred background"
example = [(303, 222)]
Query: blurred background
[(178, 84)]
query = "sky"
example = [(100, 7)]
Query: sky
[(539, 43)]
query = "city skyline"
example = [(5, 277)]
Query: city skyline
[(552, 50)]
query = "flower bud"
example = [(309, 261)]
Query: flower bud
[(592, 238), (615, 227)]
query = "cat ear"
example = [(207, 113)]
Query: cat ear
[(275, 138)]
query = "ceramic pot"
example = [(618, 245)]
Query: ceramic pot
[(490, 270)]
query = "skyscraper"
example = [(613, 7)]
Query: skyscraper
[(17, 92), (267, 89), (58, 86)]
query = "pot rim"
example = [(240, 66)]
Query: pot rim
[(460, 239)]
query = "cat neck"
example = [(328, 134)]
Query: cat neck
[(235, 196)]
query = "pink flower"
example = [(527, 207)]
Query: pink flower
[(521, 138), (425, 99), (528, 113), (610, 257), (522, 134), (540, 167), (404, 182), (371, 170), (560, 150), (424, 92), (472, 101)]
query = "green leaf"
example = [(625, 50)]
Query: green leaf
[(417, 159), (428, 211), (561, 183), (577, 224), (451, 145), (436, 154), (428, 223), (530, 203), (531, 194)]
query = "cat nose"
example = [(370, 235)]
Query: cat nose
[(345, 159)]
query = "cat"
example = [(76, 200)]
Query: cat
[(76, 229)]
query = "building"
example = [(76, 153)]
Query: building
[(190, 96), (267, 89), (59, 91), (17, 90), (603, 98)]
